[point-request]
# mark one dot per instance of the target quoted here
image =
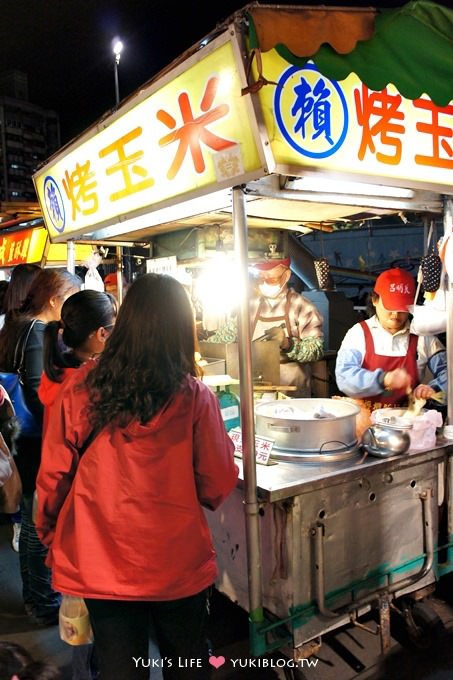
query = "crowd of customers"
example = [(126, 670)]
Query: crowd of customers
[(23, 334), (132, 449)]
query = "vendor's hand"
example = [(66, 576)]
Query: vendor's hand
[(277, 333), (423, 392), (397, 379)]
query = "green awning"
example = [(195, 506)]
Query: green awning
[(411, 46)]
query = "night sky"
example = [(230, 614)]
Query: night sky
[(65, 46)]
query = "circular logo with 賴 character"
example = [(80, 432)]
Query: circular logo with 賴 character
[(311, 111), (54, 204)]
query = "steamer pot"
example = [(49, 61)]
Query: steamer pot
[(308, 425)]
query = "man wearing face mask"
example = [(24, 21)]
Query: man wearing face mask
[(279, 313)]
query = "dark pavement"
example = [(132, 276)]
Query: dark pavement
[(344, 655)]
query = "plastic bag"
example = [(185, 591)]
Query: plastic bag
[(430, 318), (423, 433), (74, 621), (93, 280)]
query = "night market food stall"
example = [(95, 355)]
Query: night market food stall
[(24, 239), (256, 127), (30, 245)]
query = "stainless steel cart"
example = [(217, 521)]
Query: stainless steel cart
[(336, 540)]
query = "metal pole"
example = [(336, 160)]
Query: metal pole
[(117, 86), (448, 233), (119, 274), (70, 256), (251, 506)]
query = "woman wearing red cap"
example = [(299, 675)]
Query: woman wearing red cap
[(380, 360)]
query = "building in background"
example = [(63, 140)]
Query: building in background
[(29, 134)]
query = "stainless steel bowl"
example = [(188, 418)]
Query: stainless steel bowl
[(382, 441)]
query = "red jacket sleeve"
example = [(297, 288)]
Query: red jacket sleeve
[(66, 431)]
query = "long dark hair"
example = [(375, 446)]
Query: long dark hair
[(148, 355), (47, 284), (81, 314), (20, 282)]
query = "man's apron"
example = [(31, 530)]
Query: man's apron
[(269, 315)]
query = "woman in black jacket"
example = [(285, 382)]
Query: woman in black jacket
[(49, 290)]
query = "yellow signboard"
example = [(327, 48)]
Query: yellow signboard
[(57, 253), (343, 127), (21, 247), (192, 133), (29, 246)]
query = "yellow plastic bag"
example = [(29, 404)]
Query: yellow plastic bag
[(74, 621)]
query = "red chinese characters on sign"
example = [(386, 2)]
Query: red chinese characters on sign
[(128, 165), (193, 131), (380, 117), (14, 248), (442, 148)]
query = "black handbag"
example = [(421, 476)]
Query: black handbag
[(30, 426)]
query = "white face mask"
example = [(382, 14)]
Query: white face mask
[(270, 290)]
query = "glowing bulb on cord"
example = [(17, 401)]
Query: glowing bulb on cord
[(218, 287)]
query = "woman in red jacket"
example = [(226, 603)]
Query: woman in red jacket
[(87, 319), (125, 523)]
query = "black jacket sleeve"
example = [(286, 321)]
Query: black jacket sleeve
[(33, 366)]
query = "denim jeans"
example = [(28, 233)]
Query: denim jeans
[(39, 598), (121, 635), (15, 517)]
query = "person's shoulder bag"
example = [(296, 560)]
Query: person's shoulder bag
[(13, 382)]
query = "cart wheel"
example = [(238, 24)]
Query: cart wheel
[(424, 627)]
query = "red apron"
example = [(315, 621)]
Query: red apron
[(371, 362)]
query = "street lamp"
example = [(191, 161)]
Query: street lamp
[(117, 47)]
